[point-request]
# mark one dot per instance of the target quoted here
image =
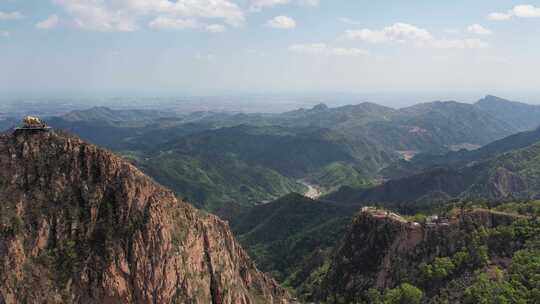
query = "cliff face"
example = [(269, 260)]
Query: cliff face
[(380, 250), (79, 224)]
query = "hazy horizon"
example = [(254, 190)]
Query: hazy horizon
[(240, 103)]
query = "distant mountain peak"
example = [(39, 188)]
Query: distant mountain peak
[(506, 107), (492, 99), (104, 108), (320, 107)]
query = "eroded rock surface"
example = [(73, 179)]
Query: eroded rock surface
[(80, 225)]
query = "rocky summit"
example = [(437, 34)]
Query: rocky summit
[(384, 251), (81, 225)]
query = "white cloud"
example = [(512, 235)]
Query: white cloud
[(282, 22), (11, 16), (124, 15), (162, 22), (478, 30), (5, 34), (258, 5), (49, 23), (399, 32), (526, 11), (408, 33), (100, 16), (323, 49), (167, 23), (215, 28), (520, 11)]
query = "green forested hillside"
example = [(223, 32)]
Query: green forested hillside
[(509, 175), (434, 126), (243, 165), (474, 256), (358, 140), (290, 236), (139, 130), (518, 115), (340, 118), (119, 117), (222, 184), (337, 174), (463, 157), (292, 152), (328, 147)]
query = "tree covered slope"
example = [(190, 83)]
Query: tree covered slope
[(287, 235), (509, 175), (475, 256), (221, 159)]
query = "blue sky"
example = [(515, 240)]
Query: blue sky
[(429, 49)]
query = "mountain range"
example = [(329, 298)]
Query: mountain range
[(433, 203), (503, 170), (219, 159)]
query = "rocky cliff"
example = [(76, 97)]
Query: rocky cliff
[(80, 225), (382, 250)]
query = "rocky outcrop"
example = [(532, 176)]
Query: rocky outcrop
[(80, 225), (364, 255), (504, 182), (381, 249)]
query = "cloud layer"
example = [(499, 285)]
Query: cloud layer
[(407, 33), (128, 16), (478, 30), (125, 16), (519, 11), (163, 22), (259, 5)]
